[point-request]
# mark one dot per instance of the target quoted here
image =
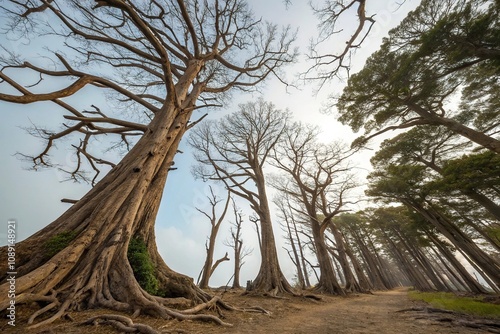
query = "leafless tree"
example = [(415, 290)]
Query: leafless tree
[(236, 243), (317, 178), (289, 225), (234, 150), (160, 61), (332, 63), (215, 222)]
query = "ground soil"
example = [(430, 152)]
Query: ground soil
[(381, 312)]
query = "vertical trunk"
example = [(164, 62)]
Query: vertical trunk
[(237, 260), (207, 267), (303, 261), (350, 281), (93, 269), (270, 276), (327, 280), (300, 276)]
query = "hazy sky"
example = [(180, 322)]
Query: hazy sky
[(33, 198)]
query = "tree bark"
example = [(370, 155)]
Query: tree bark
[(296, 258), (489, 265), (328, 282), (350, 284), (93, 270), (270, 276), (478, 137)]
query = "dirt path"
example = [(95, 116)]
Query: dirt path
[(376, 313)]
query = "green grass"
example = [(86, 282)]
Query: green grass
[(452, 302)]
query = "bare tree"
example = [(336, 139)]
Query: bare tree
[(209, 266), (161, 60), (236, 243), (317, 178), (234, 150), (331, 63), (289, 225)]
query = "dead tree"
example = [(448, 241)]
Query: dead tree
[(335, 63), (236, 243), (289, 226), (234, 151), (317, 177), (209, 266), (159, 61)]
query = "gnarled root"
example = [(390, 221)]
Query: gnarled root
[(218, 302), (455, 318), (121, 323)]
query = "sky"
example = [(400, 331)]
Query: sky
[(33, 198)]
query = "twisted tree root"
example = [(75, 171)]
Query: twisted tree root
[(121, 323)]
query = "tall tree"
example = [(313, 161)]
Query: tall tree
[(163, 60), (317, 178), (437, 50), (215, 222), (405, 184), (236, 243), (475, 176), (334, 63), (234, 150), (289, 225)]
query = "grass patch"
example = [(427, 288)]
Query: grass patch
[(143, 267), (452, 302), (58, 242)]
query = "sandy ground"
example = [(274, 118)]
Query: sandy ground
[(366, 313)]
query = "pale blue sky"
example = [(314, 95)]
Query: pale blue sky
[(33, 198)]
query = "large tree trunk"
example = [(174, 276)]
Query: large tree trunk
[(270, 277), (351, 284), (207, 267), (93, 269), (327, 282)]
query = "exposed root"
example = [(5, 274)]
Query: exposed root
[(201, 317), (254, 309), (455, 318), (121, 323), (59, 314), (217, 301), (311, 296)]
